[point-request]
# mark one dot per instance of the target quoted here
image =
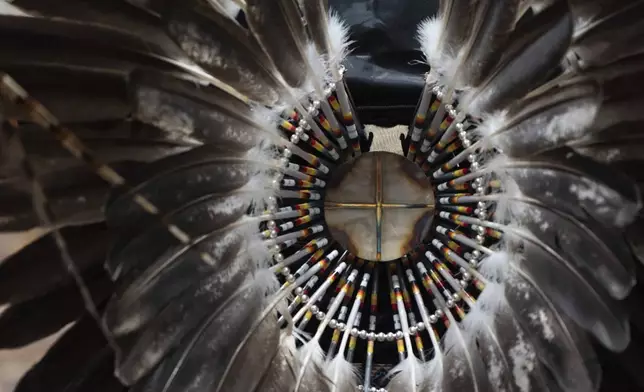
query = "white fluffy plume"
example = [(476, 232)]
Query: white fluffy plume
[(428, 35), (338, 39)]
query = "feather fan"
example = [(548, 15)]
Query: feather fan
[(199, 220)]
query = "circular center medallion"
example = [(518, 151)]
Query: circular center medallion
[(379, 206)]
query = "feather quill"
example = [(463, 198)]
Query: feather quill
[(408, 372), (342, 374), (312, 355)]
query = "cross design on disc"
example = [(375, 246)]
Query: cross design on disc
[(379, 206)]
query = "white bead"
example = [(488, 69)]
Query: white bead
[(298, 291), (467, 143), (480, 190), (480, 230), (271, 225), (466, 276), (475, 166), (314, 308), (295, 139), (463, 283), (273, 234), (413, 330), (456, 297), (476, 254), (373, 389), (286, 271), (305, 299), (317, 104), (399, 335), (361, 387), (471, 157), (332, 86), (474, 263), (460, 127), (342, 327), (439, 313), (480, 239), (371, 336), (354, 332), (481, 205), (362, 334), (391, 337), (303, 124), (287, 153), (278, 257), (433, 319), (284, 161), (421, 326), (482, 215), (381, 337), (333, 324), (276, 249), (290, 279), (299, 131), (320, 316)]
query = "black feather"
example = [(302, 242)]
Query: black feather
[(279, 28), (580, 187), (534, 49), (493, 23), (173, 317), (212, 169), (202, 357), (224, 49), (19, 283), (316, 15), (38, 318), (623, 28)]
